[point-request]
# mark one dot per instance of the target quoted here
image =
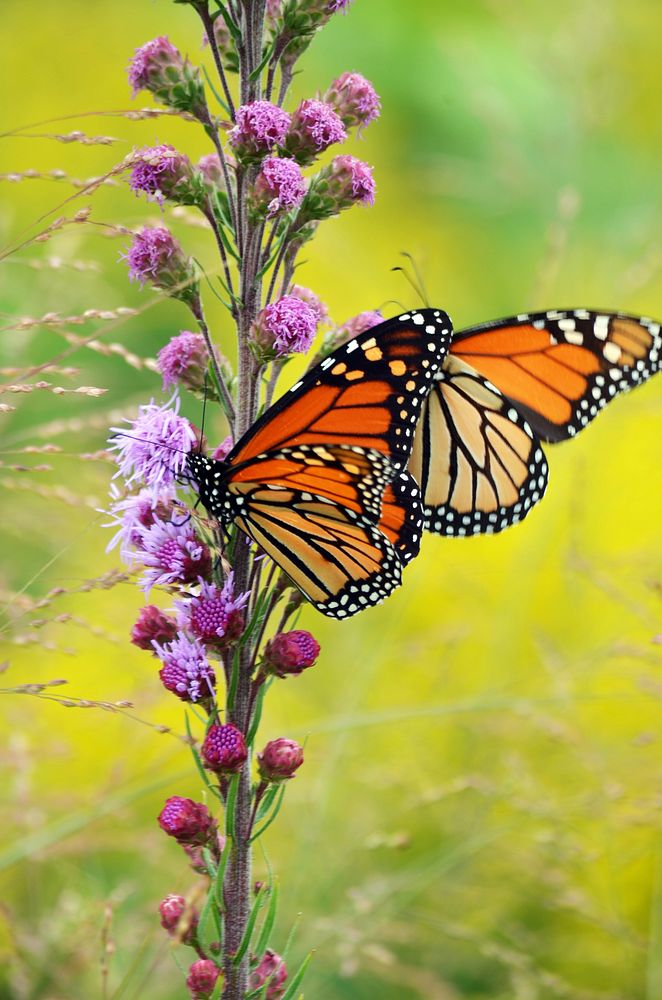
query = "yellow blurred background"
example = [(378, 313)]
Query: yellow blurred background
[(479, 814)]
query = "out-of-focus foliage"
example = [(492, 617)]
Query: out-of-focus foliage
[(480, 808)]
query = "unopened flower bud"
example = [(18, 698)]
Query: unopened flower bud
[(225, 44), (178, 919), (153, 625), (271, 969), (201, 979), (290, 653), (159, 67), (183, 361), (221, 452), (280, 759), (187, 821), (156, 257), (287, 326), (162, 173), (209, 166), (354, 100), (315, 126), (279, 187), (224, 749), (260, 127)]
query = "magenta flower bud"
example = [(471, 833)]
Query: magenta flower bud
[(221, 452), (209, 166), (260, 128), (271, 970), (312, 300), (201, 979), (178, 919), (159, 67), (156, 257), (196, 859), (354, 100), (225, 45), (161, 172), (189, 822), (315, 126), (287, 326), (152, 626), (215, 616), (280, 759), (224, 750), (186, 672), (279, 187), (290, 653), (184, 360), (345, 182)]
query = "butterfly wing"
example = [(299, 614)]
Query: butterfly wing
[(366, 395), (401, 517), (479, 464), (562, 366)]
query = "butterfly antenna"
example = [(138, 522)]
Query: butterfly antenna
[(121, 434), (410, 280), (422, 290)]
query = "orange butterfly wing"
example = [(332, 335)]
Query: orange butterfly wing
[(562, 366)]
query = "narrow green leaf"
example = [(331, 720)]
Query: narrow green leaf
[(218, 989), (250, 927), (209, 863), (297, 979), (215, 92), (257, 712), (268, 52), (230, 804), (198, 761), (220, 876), (209, 923), (269, 921), (232, 27), (234, 676), (267, 801), (276, 810)]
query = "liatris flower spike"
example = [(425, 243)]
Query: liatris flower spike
[(155, 257), (202, 979), (346, 181), (183, 361), (158, 66), (224, 749), (260, 128), (154, 447), (171, 553), (314, 301), (162, 173), (279, 760), (287, 326)]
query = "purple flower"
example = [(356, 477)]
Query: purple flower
[(224, 750), (291, 652), (211, 170), (279, 187), (171, 552), (186, 671), (287, 326), (214, 616), (184, 359), (161, 172), (221, 452), (151, 61), (187, 821), (201, 979), (270, 970), (260, 127), (314, 301), (158, 67), (155, 447), (315, 126), (153, 626), (156, 256), (336, 5), (179, 919), (351, 181), (280, 759), (137, 510), (359, 324), (354, 99)]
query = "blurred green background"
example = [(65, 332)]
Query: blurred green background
[(479, 813)]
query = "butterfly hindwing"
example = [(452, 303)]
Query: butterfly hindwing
[(561, 367), (478, 462)]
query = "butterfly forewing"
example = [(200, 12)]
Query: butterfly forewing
[(401, 518), (478, 462), (562, 366)]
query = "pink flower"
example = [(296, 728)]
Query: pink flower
[(351, 180), (270, 970), (178, 918), (154, 448), (280, 759), (151, 62), (221, 452), (184, 360), (156, 257), (315, 126), (171, 552), (279, 187), (291, 652), (354, 99), (314, 301), (224, 750), (201, 979), (186, 671), (214, 616), (287, 326), (260, 127), (153, 626), (187, 821)]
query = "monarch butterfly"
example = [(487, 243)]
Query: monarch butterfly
[(504, 387), (319, 482)]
